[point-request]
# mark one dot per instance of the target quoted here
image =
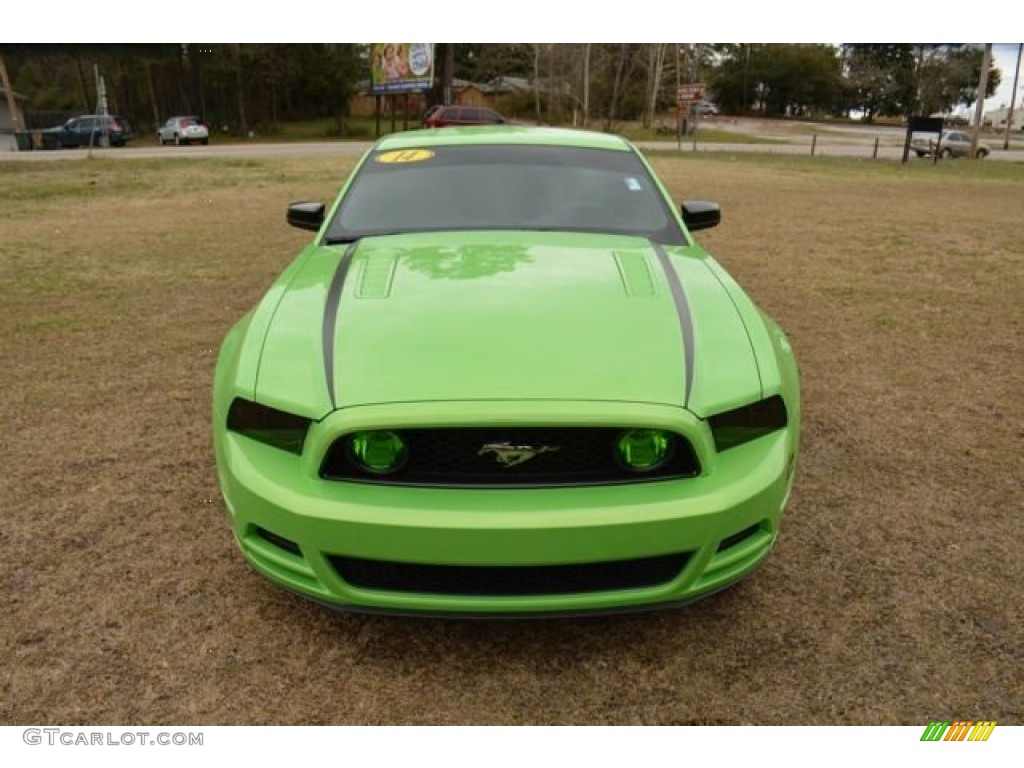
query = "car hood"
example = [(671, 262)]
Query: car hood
[(505, 316)]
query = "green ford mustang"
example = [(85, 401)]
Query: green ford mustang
[(503, 379)]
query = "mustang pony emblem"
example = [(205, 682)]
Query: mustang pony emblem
[(510, 455)]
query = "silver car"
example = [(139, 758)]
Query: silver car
[(183, 130), (952, 144)]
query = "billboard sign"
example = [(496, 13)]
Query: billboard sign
[(401, 67)]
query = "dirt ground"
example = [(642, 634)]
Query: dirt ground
[(894, 594)]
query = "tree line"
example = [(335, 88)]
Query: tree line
[(246, 86)]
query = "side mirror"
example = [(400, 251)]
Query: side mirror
[(306, 215), (698, 214)]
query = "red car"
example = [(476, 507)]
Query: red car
[(453, 114)]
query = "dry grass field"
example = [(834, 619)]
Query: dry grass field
[(894, 595)]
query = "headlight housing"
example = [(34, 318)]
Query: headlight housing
[(750, 422), (268, 425)]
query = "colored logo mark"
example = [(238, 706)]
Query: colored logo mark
[(405, 156), (961, 730)]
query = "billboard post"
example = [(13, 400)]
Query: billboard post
[(686, 96), (399, 68)]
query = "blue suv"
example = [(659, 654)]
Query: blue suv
[(94, 130)]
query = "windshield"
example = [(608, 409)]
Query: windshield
[(492, 187)]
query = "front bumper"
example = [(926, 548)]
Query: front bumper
[(295, 528)]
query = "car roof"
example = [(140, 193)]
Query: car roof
[(502, 134)]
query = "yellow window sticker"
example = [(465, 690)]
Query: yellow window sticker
[(405, 156)]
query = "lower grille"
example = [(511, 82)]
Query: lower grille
[(509, 580), (466, 456), (736, 538), (279, 541)]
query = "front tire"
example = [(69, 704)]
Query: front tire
[(982, 154), (204, 142), (946, 153), (919, 153)]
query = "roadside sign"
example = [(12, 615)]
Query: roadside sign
[(923, 125), (691, 92)]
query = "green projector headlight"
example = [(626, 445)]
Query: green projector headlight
[(380, 453), (644, 449)]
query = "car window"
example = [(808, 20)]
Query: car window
[(471, 113), (504, 187), (491, 116)]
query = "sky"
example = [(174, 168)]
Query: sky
[(1005, 55), (783, 21), (744, 21)]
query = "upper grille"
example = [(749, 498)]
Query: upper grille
[(452, 456)]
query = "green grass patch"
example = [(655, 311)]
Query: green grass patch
[(955, 170), (898, 286), (706, 135), (321, 129)]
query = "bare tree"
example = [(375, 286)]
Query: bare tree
[(655, 70), (239, 86), (620, 69)]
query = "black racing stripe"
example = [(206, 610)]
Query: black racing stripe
[(331, 316), (683, 312)]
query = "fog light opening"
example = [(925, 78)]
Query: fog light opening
[(644, 450), (378, 452)]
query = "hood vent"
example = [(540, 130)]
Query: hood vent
[(378, 273), (635, 273)]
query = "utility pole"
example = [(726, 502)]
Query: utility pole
[(586, 84), (101, 109), (1013, 98), (679, 108), (12, 105), (979, 110), (696, 79), (448, 73)]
